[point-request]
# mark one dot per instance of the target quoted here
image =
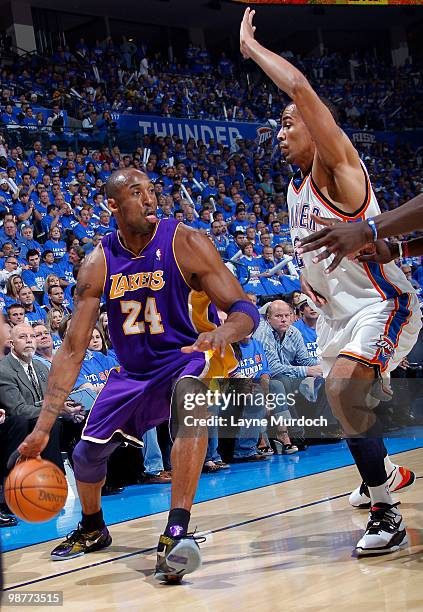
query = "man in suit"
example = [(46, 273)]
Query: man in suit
[(23, 383)]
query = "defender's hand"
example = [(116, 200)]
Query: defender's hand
[(339, 238), (246, 34)]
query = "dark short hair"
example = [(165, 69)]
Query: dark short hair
[(31, 253), (13, 306), (329, 105)]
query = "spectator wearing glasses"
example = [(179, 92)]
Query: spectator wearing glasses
[(11, 267)]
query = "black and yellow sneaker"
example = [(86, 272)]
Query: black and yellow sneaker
[(177, 557), (80, 542)]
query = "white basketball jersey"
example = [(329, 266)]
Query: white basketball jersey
[(351, 286)]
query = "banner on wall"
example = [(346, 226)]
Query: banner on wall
[(224, 132), (227, 132)]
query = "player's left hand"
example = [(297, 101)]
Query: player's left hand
[(246, 34), (339, 238), (215, 340)]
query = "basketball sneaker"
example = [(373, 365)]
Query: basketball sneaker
[(177, 557), (80, 542), (400, 478), (385, 531)]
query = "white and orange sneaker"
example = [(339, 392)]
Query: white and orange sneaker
[(385, 532), (399, 479)]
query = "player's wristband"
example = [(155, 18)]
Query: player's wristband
[(247, 308), (371, 223), (400, 250)]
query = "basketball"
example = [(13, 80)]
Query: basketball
[(36, 490)]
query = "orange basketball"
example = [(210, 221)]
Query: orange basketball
[(36, 490)]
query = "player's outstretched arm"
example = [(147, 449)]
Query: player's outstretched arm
[(346, 238), (67, 361), (333, 146), (204, 270)]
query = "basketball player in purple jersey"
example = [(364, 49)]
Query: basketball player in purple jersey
[(370, 316), (159, 279)]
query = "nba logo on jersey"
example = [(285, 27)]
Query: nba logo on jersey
[(158, 254)]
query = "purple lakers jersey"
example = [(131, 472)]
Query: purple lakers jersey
[(152, 311)]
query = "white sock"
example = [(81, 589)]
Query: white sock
[(380, 495), (389, 466)]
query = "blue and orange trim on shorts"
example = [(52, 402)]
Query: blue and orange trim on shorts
[(396, 322)]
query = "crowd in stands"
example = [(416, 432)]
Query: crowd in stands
[(92, 79), (53, 212)]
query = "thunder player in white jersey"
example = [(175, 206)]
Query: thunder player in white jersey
[(370, 317)]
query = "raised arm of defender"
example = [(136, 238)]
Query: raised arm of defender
[(335, 155), (67, 361)]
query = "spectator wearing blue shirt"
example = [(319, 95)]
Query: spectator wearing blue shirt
[(190, 219), (56, 299), (96, 365), (251, 266), (253, 365), (252, 237), (219, 240), (90, 246), (29, 121), (307, 325), (273, 283), (74, 257), (278, 236), (27, 233), (33, 312), (35, 193), (240, 222), (24, 208), (265, 240), (8, 116), (48, 266), (34, 277), (84, 230), (9, 234), (105, 226), (68, 220), (236, 245), (203, 222), (210, 190), (55, 243), (53, 320), (5, 192), (43, 203)]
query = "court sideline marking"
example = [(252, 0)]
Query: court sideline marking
[(247, 490), (205, 533)]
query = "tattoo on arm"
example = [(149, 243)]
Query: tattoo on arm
[(81, 288), (55, 399)]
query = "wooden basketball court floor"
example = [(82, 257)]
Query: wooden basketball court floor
[(286, 546)]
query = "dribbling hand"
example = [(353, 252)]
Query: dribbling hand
[(34, 444)]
